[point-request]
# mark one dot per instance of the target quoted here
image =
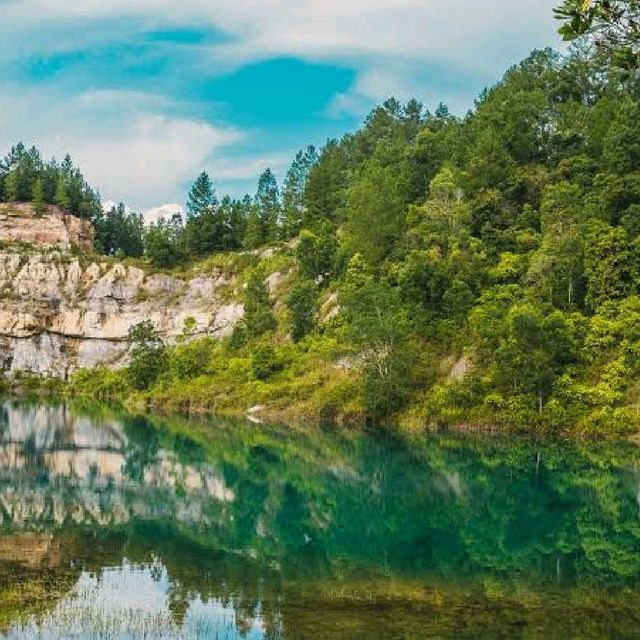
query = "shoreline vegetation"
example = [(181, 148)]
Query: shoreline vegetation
[(434, 271)]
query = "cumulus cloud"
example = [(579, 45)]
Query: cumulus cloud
[(163, 212), (122, 144), (141, 146)]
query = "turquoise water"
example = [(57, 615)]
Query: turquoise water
[(118, 526)]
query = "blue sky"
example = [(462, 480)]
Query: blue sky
[(146, 94)]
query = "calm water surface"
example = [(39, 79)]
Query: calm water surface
[(116, 526)]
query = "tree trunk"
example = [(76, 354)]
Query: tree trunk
[(540, 402)]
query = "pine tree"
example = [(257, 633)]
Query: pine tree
[(202, 196), (38, 197), (61, 198), (11, 186), (258, 308), (293, 192), (268, 202), (67, 166), (253, 229)]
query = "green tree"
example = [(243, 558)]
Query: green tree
[(316, 253), (611, 265), (148, 355), (532, 352), (253, 235), (265, 362), (119, 232), (325, 186), (374, 213), (293, 192), (202, 196), (267, 201), (204, 233), (521, 349), (162, 244), (621, 148), (557, 268), (377, 326), (258, 308), (11, 186), (38, 197), (61, 198), (302, 305)]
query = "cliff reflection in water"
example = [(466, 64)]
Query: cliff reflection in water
[(118, 526)]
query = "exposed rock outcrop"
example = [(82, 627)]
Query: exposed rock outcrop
[(52, 229), (57, 315)]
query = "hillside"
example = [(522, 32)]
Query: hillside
[(426, 270)]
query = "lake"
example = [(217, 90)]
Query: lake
[(121, 526)]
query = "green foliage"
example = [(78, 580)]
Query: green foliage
[(613, 25), (61, 198), (60, 183), (317, 252), (212, 226), (268, 207), (190, 359), (38, 197), (202, 196), (148, 355), (621, 145), (265, 362), (101, 384), (162, 244), (377, 325), (295, 184), (611, 265), (374, 212), (119, 232), (302, 304), (487, 267), (258, 307)]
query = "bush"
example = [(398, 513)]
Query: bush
[(191, 359), (100, 383), (265, 362)]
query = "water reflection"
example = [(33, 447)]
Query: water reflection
[(136, 601), (115, 526)]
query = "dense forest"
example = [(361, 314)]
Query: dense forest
[(487, 267)]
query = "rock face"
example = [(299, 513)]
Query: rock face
[(59, 312), (57, 315), (53, 229)]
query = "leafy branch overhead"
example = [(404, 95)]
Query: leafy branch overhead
[(613, 25)]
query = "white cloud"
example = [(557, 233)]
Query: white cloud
[(123, 146), (133, 146), (247, 168), (464, 34), (163, 212), (150, 157)]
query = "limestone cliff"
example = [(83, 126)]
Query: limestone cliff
[(59, 312), (52, 229)]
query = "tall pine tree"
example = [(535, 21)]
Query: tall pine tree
[(202, 196), (268, 203), (38, 197), (293, 192)]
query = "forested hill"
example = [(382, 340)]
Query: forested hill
[(487, 268)]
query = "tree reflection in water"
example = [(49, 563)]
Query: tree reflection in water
[(118, 526)]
